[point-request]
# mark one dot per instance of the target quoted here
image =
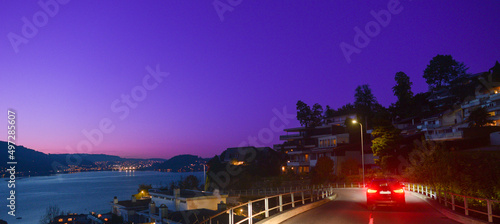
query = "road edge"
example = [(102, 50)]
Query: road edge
[(445, 211), (281, 217)]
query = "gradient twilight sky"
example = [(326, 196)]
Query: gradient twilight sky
[(226, 77)]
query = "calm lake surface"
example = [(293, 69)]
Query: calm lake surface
[(78, 192)]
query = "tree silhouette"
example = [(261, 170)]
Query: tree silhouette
[(50, 213), (442, 71), (479, 118), (364, 102), (402, 90), (323, 171)]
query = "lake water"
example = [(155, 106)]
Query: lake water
[(78, 192)]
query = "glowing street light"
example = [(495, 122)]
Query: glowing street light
[(362, 151)]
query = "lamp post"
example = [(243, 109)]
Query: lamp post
[(362, 151)]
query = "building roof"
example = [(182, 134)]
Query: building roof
[(138, 204), (295, 129), (184, 193)]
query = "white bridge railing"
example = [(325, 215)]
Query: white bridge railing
[(294, 198), (450, 199)]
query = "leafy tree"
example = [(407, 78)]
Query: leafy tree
[(191, 182), (402, 90), (214, 166), (50, 213), (303, 114), (309, 117), (381, 116), (473, 173), (316, 115), (364, 102), (479, 118), (385, 145), (442, 71), (323, 171), (329, 112), (346, 109), (429, 163)]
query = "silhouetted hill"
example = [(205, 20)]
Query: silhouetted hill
[(32, 162), (182, 163), (27, 159)]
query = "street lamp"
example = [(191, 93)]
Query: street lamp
[(362, 151)]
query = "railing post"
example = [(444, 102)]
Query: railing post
[(266, 206), (293, 201), (466, 206), (312, 196), (302, 194), (231, 217), (281, 202), (344, 185), (453, 202), (490, 214), (336, 185), (351, 185), (426, 191), (250, 213), (359, 185)]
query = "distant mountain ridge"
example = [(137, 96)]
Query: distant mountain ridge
[(32, 162)]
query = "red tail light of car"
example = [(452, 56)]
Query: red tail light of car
[(371, 191), (400, 191)]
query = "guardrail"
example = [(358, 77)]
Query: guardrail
[(303, 196), (449, 198)]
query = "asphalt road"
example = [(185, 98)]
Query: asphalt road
[(350, 207)]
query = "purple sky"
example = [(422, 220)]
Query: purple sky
[(226, 77)]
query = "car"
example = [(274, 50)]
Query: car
[(386, 191)]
